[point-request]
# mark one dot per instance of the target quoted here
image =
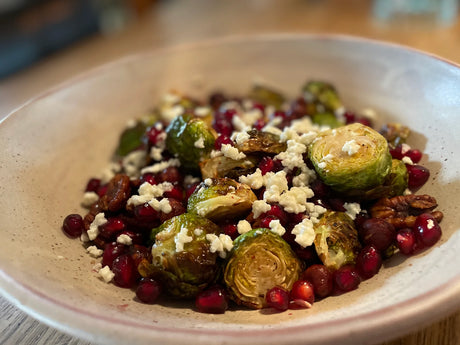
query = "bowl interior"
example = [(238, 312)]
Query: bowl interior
[(52, 145)]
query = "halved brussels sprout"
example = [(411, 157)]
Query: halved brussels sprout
[(221, 198), (352, 157), (181, 255), (326, 119), (261, 142), (267, 96), (395, 133), (260, 260), (322, 92), (222, 166), (131, 139), (190, 139), (336, 239)]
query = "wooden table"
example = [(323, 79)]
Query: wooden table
[(174, 22)]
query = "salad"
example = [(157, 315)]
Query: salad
[(255, 201)]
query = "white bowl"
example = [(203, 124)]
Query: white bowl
[(54, 143)]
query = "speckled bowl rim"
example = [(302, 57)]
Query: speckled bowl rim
[(370, 327)]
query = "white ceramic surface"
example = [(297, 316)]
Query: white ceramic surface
[(54, 143)]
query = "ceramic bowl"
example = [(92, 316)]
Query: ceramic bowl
[(53, 144)]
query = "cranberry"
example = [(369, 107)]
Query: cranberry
[(368, 261), (93, 185), (406, 241), (148, 177), (427, 229), (230, 230), (148, 290), (212, 301), (322, 279), (111, 252), (418, 175), (125, 271), (73, 225), (146, 213), (302, 291), (155, 134), (346, 278), (377, 232), (112, 228), (277, 298), (221, 140)]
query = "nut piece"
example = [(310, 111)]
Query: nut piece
[(118, 193), (401, 211)]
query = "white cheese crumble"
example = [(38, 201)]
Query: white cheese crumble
[(133, 162), (295, 199), (240, 137), (407, 160), (208, 182), (202, 111), (276, 227), (198, 232), (304, 233), (93, 231), (156, 153), (405, 148), (232, 152), (157, 167), (199, 143), (430, 224), (124, 239), (189, 179), (181, 239), (89, 198), (106, 274), (292, 157), (148, 192), (94, 251), (276, 184), (170, 113), (351, 147), (243, 226), (109, 172), (254, 180), (259, 207), (220, 244), (352, 209), (322, 165)]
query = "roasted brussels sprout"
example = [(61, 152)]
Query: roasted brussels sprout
[(259, 260), (221, 198), (222, 166), (190, 139), (325, 93), (131, 139), (395, 133), (350, 158), (336, 239), (395, 183), (181, 255), (265, 95), (326, 119), (261, 142)]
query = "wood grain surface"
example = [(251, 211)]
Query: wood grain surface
[(178, 21)]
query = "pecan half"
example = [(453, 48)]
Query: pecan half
[(401, 211), (118, 192)]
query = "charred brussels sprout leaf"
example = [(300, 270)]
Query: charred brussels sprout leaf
[(221, 198), (395, 183), (395, 133), (265, 95), (336, 240), (350, 158), (260, 260), (326, 119), (324, 93), (131, 139), (261, 142), (181, 255), (222, 166), (190, 139)]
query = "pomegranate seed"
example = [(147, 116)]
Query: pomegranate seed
[(427, 229), (277, 298), (148, 290), (259, 106), (148, 178), (190, 189), (322, 279), (364, 121), (415, 155), (418, 175), (73, 225), (407, 242), (302, 290), (222, 124), (259, 124), (221, 140), (146, 212), (320, 189), (177, 208), (307, 254), (93, 185), (170, 174), (265, 221), (277, 212), (125, 271), (230, 230), (368, 261), (298, 108), (279, 113), (155, 134), (112, 251), (175, 193), (347, 278), (396, 152), (102, 190), (337, 204), (216, 100), (268, 164), (112, 228), (349, 117), (378, 233), (212, 301)]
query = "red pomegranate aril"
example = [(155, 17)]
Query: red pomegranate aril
[(364, 121), (266, 165), (93, 185), (102, 190), (427, 229), (190, 189), (346, 278), (415, 155), (280, 113), (125, 271), (112, 228), (278, 212), (265, 221), (336, 204), (221, 140), (73, 225), (418, 175), (148, 290), (378, 233), (170, 174), (277, 298), (302, 290), (259, 124), (149, 177), (216, 100), (175, 193), (320, 189), (406, 241), (146, 212), (368, 262), (155, 134), (112, 251), (177, 208), (222, 124), (230, 230), (322, 279), (396, 152), (212, 301), (349, 117)]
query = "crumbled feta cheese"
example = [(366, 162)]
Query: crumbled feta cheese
[(276, 184), (232, 152), (208, 182), (276, 227), (94, 251), (156, 153), (259, 207), (304, 233), (181, 239), (202, 111), (216, 153), (220, 244), (109, 172), (162, 205), (430, 224), (369, 113), (243, 226), (198, 232), (133, 162), (407, 191), (170, 98), (295, 199), (157, 167), (199, 143), (293, 156), (254, 180), (131, 123), (240, 137), (351, 147), (93, 231), (352, 209), (405, 148), (148, 192), (84, 237), (124, 239), (251, 116), (89, 198), (189, 179), (322, 165), (169, 113), (97, 267), (106, 274), (407, 160)]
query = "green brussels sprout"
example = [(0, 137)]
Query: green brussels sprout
[(395, 133), (326, 119), (261, 142), (221, 198), (222, 166), (324, 93), (190, 139), (267, 96), (131, 139), (259, 260), (336, 239), (349, 158), (181, 255)]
